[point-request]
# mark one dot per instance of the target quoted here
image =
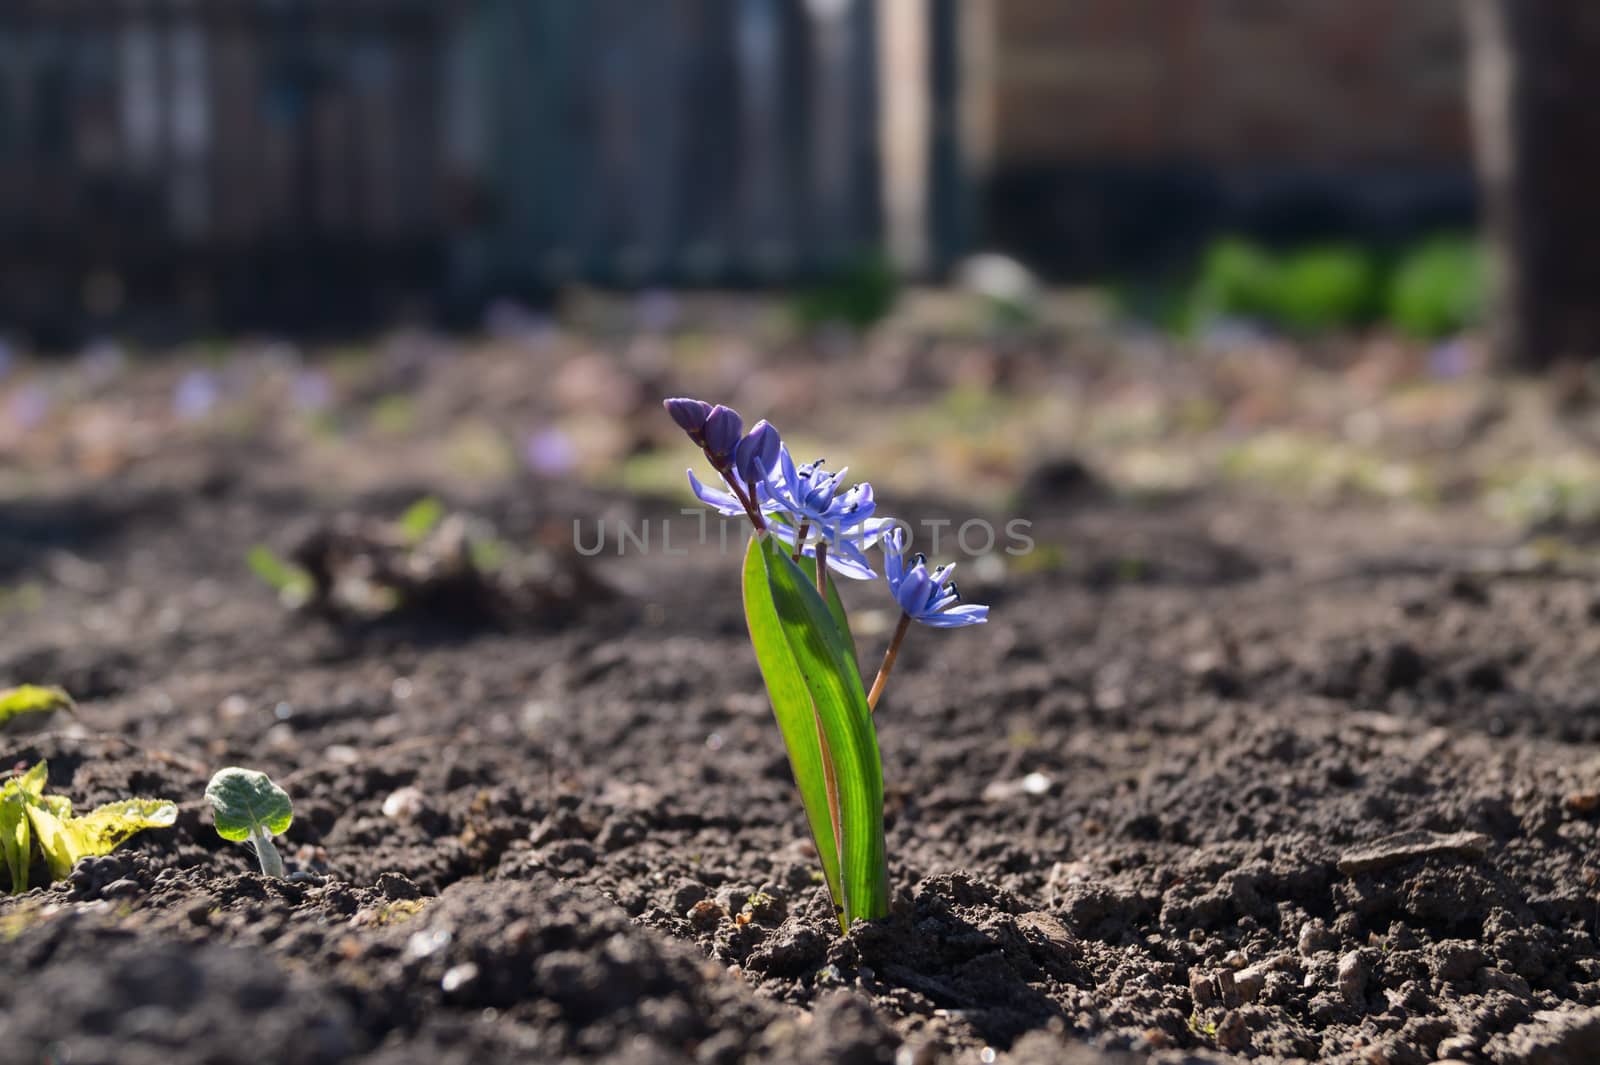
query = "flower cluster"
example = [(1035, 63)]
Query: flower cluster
[(802, 637), (811, 511)]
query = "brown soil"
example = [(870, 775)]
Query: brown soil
[(592, 848)]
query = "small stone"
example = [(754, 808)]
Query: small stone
[(1315, 937), (1249, 982), (1032, 785), (405, 805), (1408, 846), (1353, 972), (121, 889), (1583, 802), (705, 914), (457, 977)]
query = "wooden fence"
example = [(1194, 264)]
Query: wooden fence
[(290, 162)]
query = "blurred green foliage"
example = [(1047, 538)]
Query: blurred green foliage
[(1429, 290), (1438, 287), (860, 294)]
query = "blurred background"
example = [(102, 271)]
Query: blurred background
[(1063, 227)]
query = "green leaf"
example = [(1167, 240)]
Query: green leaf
[(32, 699), (791, 705), (420, 519), (292, 583), (244, 801), (808, 565), (15, 839), (29, 819), (821, 661)]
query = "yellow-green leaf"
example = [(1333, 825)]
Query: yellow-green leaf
[(15, 839), (32, 699), (30, 819)]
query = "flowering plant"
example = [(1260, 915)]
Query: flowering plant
[(808, 527)]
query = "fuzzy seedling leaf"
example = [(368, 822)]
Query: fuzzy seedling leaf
[(32, 699), (247, 806)]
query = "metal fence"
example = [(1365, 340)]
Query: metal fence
[(291, 162)]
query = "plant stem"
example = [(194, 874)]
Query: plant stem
[(888, 661), (748, 501), (800, 540), (266, 853), (822, 569)]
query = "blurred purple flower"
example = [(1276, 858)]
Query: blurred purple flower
[(195, 395), (28, 406), (550, 452), (655, 311), (311, 391), (1450, 360)]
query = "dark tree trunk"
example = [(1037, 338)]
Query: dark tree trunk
[(1535, 87)]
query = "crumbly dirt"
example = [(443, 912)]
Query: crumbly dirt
[(1144, 815)]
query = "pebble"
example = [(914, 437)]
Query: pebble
[(123, 888), (405, 805), (1034, 784), (1407, 846), (1315, 937), (705, 914), (1353, 978), (458, 976)]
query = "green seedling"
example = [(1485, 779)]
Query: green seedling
[(248, 806), (292, 583), (35, 824), (31, 699), (420, 519)]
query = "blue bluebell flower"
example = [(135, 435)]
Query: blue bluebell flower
[(809, 496), (690, 414), (723, 431), (757, 453), (929, 598), (726, 503)]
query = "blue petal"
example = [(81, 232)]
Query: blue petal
[(912, 595), (844, 559), (957, 617), (722, 502), (894, 562)]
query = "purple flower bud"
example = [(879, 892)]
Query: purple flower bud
[(757, 453), (690, 414), (723, 429)]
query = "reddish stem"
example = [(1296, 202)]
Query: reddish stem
[(888, 661)]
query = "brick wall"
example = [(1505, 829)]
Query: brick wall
[(1228, 83)]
